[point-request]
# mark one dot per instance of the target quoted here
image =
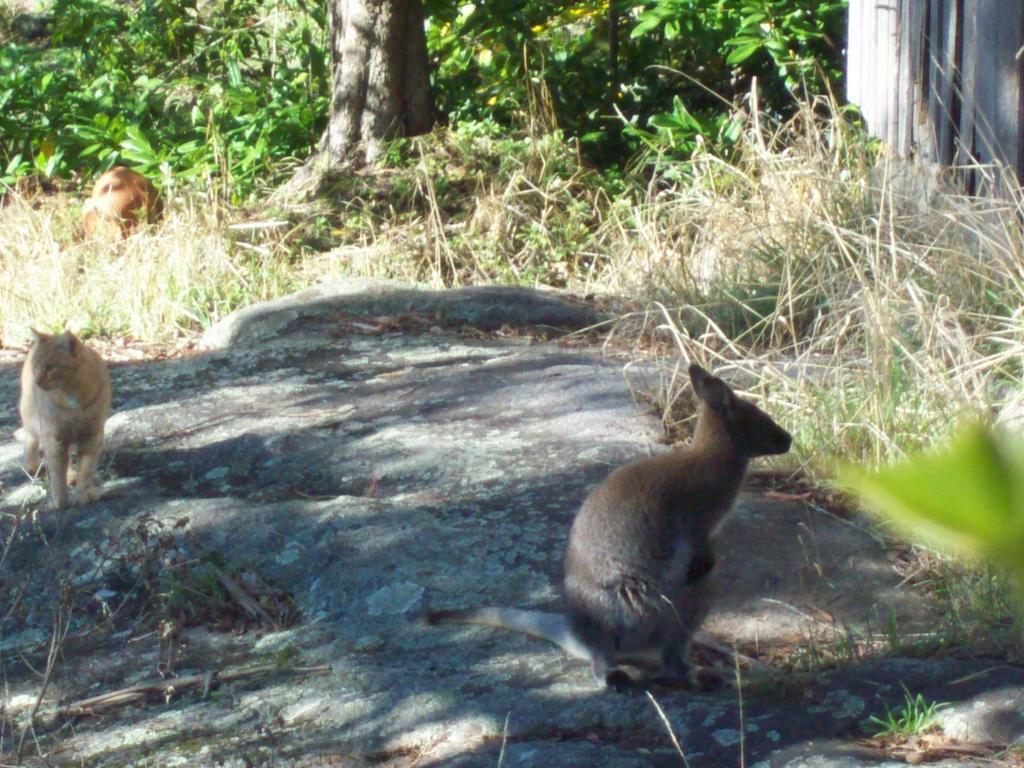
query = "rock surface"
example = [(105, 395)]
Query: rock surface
[(366, 449)]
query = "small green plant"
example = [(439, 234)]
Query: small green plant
[(914, 718)]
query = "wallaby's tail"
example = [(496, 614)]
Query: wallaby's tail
[(553, 627)]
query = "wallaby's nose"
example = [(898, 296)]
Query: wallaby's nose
[(784, 441)]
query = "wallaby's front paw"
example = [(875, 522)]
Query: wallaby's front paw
[(675, 682), (704, 679), (619, 681)]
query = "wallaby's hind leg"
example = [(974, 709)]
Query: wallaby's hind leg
[(605, 668), (604, 662), (676, 670), (701, 563), (676, 634)]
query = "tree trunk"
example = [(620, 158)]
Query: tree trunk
[(380, 84)]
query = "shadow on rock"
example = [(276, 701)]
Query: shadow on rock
[(373, 472)]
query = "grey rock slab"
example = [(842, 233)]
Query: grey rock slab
[(486, 308), (373, 474), (996, 716)]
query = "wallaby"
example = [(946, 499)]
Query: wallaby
[(641, 545), (118, 196), (65, 402)]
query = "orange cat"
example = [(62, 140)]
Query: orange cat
[(118, 197), (65, 402)]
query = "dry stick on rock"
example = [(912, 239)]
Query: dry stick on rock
[(250, 606), (204, 681), (703, 640), (60, 628)]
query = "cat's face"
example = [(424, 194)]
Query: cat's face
[(54, 359)]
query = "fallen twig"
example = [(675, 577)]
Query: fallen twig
[(60, 629), (704, 641), (203, 681), (250, 606)]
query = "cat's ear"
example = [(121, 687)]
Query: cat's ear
[(70, 342), (36, 335)]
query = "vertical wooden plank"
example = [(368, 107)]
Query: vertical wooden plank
[(933, 68), (854, 50), (925, 130), (968, 75), (1010, 118), (869, 84), (1019, 59), (986, 55), (880, 74), (943, 96), (941, 76), (998, 82), (873, 51), (902, 104), (915, 130), (889, 23)]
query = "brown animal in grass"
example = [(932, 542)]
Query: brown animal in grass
[(118, 198), (65, 402), (641, 546)]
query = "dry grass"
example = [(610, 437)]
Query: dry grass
[(163, 282), (865, 302)]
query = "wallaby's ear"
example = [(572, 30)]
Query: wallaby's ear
[(36, 335), (70, 342), (711, 389), (698, 376)]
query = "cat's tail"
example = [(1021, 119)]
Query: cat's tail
[(544, 625)]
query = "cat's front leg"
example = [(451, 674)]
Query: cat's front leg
[(88, 458), (31, 446), (56, 453)]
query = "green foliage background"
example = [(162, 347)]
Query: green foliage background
[(226, 90), (232, 89)]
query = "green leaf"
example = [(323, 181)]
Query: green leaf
[(666, 121), (14, 165), (967, 498), (743, 51), (733, 130), (234, 74), (646, 23)]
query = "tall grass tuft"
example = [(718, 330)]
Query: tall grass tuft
[(867, 301), (165, 281)]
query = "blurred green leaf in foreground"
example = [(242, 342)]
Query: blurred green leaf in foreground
[(966, 498)]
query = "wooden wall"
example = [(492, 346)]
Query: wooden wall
[(942, 78)]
